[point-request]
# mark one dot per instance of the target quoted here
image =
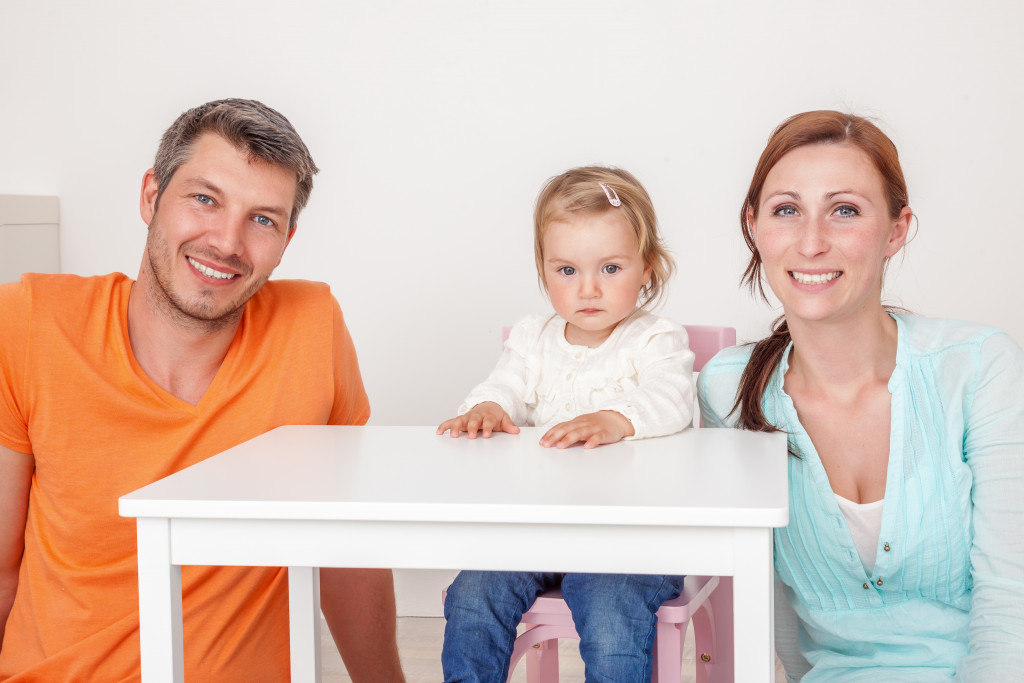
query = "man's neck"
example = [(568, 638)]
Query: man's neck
[(181, 358)]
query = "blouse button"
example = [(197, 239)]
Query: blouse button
[(568, 406), (866, 586), (568, 375), (886, 548), (879, 582)]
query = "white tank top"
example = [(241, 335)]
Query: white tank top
[(865, 523)]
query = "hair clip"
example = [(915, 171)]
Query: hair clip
[(611, 194)]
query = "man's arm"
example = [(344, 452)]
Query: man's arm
[(15, 479), (359, 605)]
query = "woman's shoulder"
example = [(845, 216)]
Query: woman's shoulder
[(730, 360), (955, 347), (924, 335)]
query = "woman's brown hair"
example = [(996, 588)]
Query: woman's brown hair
[(808, 128)]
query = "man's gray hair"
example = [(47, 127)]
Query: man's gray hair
[(253, 128)]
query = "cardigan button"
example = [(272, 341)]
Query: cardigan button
[(866, 586), (886, 548), (879, 582)]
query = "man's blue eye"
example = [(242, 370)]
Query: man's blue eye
[(203, 199), (264, 221), (611, 269), (567, 270)]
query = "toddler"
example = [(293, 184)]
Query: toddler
[(601, 369)]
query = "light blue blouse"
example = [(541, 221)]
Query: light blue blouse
[(945, 600)]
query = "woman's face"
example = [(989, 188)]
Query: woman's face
[(824, 232)]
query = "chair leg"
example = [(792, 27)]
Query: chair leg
[(542, 663), (538, 644), (704, 641), (721, 625), (668, 653)]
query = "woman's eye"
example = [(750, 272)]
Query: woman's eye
[(846, 210), (611, 269), (784, 210), (264, 221), (567, 270)]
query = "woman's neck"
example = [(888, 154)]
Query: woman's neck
[(842, 358)]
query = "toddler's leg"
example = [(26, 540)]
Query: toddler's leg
[(482, 610), (614, 615)]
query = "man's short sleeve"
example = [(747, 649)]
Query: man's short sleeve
[(351, 405), (15, 327)]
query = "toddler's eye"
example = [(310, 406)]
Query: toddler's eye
[(611, 269), (567, 270)]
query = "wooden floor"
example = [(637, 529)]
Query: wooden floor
[(419, 644)]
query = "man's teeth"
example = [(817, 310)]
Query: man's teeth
[(210, 272), (816, 278)]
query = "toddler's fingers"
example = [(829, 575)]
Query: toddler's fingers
[(472, 425), (507, 425)]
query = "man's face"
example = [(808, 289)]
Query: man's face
[(219, 231)]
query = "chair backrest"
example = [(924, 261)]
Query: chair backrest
[(705, 341)]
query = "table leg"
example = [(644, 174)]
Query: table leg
[(304, 622), (160, 636), (753, 606)]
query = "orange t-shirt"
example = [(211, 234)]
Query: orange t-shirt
[(72, 393)]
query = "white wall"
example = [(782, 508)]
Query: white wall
[(436, 123)]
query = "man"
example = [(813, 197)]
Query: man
[(108, 384)]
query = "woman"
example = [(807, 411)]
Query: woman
[(903, 558)]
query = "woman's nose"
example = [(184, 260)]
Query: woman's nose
[(813, 238)]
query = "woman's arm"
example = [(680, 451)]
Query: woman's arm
[(994, 450)]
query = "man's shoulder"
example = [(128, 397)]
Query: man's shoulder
[(277, 292), (66, 293), (292, 306)]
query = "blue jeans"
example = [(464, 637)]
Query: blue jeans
[(613, 613)]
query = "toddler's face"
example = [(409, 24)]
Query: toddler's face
[(593, 273)]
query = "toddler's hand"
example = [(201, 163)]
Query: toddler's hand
[(486, 417), (594, 429)]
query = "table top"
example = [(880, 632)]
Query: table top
[(699, 477)]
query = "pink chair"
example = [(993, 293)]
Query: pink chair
[(550, 619)]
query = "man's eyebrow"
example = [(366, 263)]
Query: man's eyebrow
[(202, 182)]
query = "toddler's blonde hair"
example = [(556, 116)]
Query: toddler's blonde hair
[(579, 190)]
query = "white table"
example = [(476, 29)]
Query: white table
[(700, 502)]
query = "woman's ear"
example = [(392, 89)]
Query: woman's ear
[(900, 230)]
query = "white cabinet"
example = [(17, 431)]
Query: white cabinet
[(29, 235)]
